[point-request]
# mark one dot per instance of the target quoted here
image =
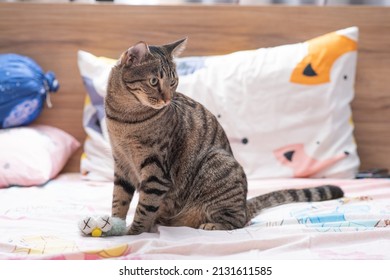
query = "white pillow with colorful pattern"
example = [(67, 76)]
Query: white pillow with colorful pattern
[(286, 110), (96, 161)]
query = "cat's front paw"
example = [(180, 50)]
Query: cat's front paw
[(208, 226), (135, 230), (215, 226)]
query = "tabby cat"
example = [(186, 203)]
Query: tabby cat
[(174, 152)]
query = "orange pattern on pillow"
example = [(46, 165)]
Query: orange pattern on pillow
[(315, 67)]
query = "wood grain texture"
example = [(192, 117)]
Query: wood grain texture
[(53, 33)]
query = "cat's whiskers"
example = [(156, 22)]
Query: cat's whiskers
[(152, 100), (176, 106)]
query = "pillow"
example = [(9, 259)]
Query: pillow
[(286, 110), (23, 89), (33, 155), (96, 161)]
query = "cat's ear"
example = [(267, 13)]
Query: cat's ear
[(176, 48), (135, 54)]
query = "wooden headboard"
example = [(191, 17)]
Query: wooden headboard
[(53, 33)]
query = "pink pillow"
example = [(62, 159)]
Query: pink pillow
[(33, 155)]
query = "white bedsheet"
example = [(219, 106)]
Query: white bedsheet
[(41, 223)]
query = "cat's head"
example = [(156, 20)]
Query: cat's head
[(149, 72)]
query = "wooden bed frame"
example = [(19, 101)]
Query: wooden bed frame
[(53, 33)]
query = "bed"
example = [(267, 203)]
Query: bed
[(40, 222)]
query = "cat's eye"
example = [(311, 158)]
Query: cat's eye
[(153, 81), (173, 83)]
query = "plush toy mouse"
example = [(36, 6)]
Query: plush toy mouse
[(102, 226)]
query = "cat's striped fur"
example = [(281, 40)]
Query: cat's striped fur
[(174, 152)]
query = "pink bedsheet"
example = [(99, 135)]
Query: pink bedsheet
[(41, 223)]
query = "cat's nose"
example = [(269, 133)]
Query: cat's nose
[(166, 97)]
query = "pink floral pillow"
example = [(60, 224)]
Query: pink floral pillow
[(33, 155)]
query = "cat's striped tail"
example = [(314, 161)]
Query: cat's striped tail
[(320, 193)]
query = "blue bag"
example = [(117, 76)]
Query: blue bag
[(23, 89)]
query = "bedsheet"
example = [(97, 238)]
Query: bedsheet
[(41, 223)]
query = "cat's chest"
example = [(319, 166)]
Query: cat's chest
[(133, 148)]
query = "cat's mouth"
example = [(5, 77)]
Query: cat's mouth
[(157, 103)]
